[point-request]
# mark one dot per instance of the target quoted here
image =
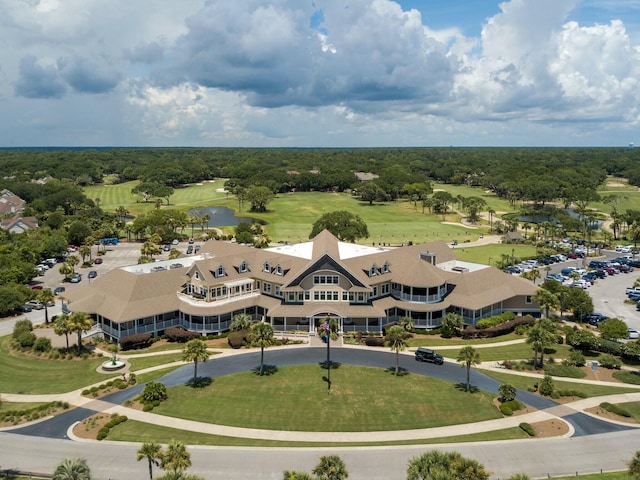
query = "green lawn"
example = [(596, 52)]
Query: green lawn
[(391, 222), (6, 406), (438, 341), (519, 351), (589, 390), (133, 431), (240, 399), (155, 360), (27, 375), (633, 408)]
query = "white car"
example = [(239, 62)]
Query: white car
[(633, 334)]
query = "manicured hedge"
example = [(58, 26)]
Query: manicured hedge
[(139, 340), (528, 428), (179, 334), (374, 341), (496, 331)]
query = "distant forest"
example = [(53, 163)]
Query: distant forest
[(536, 175)]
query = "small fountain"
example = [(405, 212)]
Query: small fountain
[(113, 364)]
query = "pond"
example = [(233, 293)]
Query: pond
[(223, 216)]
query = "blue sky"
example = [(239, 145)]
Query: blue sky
[(329, 73)]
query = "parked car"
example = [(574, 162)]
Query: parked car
[(92, 274), (633, 334), (175, 241), (76, 278), (58, 290), (25, 309), (35, 305), (98, 261), (428, 355), (166, 248), (190, 249)]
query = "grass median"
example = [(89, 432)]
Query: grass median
[(361, 399)]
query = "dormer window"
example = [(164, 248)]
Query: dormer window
[(278, 270), (244, 267), (373, 271), (385, 267), (196, 275), (220, 271), (266, 267)]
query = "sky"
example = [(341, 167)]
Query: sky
[(319, 73)]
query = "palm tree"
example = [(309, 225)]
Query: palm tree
[(519, 476), (79, 322), (634, 466), (541, 335), (61, 327), (451, 324), (72, 469), (175, 458), (84, 251), (291, 475), (72, 260), (468, 356), (152, 452), (45, 296), (546, 300), (241, 321), (331, 467), (195, 351), (397, 340), (261, 335), (179, 476), (328, 330), (406, 323), (66, 270)]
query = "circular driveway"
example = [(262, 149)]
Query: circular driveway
[(113, 460)]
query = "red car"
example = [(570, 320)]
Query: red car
[(97, 261)]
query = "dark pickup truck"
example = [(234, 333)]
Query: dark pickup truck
[(428, 355)]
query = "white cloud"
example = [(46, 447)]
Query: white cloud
[(296, 73)]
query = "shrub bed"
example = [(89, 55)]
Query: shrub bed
[(115, 420), (507, 408), (29, 414), (627, 377), (374, 341), (609, 407), (180, 335), (495, 331), (132, 342), (528, 429), (556, 370)]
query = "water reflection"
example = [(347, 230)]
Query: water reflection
[(222, 216)]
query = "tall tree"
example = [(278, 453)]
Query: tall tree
[(328, 331), (195, 351), (72, 469), (150, 451), (261, 335), (79, 322), (175, 458), (541, 335), (437, 465), (451, 324), (331, 467), (468, 356), (397, 340), (259, 197), (546, 300), (344, 225), (45, 296), (241, 321), (61, 327), (634, 466)]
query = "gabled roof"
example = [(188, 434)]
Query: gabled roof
[(325, 243), (10, 202)]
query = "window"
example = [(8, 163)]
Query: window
[(196, 275), (373, 271), (278, 269), (266, 267), (277, 292), (267, 287), (257, 284), (291, 297), (244, 266), (375, 292), (220, 272), (528, 299), (385, 267), (326, 280), (385, 288)]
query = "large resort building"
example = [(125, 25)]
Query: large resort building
[(294, 286)]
